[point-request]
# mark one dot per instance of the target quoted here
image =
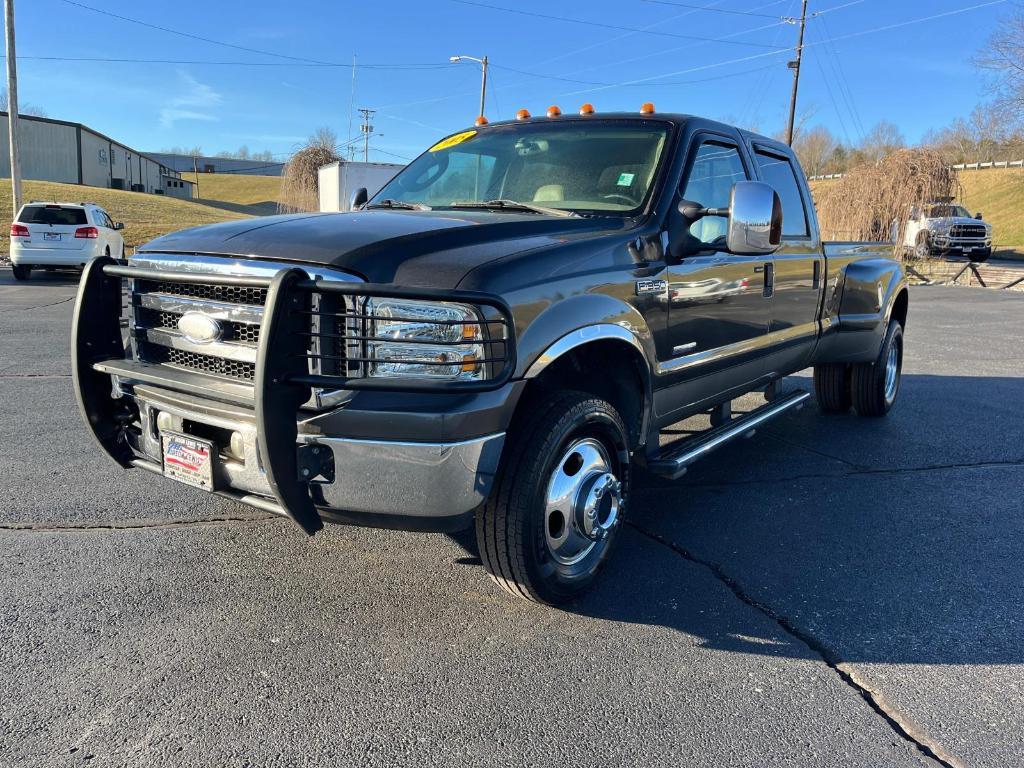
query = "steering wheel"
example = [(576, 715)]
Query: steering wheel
[(625, 198), (428, 175)]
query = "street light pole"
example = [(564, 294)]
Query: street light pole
[(483, 77)]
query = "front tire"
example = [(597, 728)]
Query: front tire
[(876, 385), (21, 271), (555, 513), (922, 248)]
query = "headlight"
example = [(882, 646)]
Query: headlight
[(425, 339)]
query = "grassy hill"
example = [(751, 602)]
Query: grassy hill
[(147, 216), (998, 193), (235, 191)]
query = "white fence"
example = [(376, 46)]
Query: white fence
[(957, 167)]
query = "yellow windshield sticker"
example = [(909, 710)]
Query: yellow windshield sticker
[(451, 141)]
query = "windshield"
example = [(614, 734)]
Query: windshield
[(948, 212), (51, 214), (601, 166)]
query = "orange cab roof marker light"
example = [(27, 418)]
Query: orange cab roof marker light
[(523, 114), (481, 121), (587, 109), (554, 111), (647, 108)]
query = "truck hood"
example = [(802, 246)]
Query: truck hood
[(414, 248)]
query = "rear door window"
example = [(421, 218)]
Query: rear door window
[(778, 172), (52, 214)]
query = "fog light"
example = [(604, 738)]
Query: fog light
[(237, 445), (164, 421)]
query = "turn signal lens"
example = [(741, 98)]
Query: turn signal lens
[(647, 108), (554, 111), (523, 114), (481, 121), (587, 109)]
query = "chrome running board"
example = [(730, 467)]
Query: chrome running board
[(675, 457)]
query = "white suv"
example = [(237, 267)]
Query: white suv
[(62, 236)]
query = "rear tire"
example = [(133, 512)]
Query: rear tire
[(21, 271), (555, 512), (832, 387), (876, 385)]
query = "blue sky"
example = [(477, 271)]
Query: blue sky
[(918, 76)]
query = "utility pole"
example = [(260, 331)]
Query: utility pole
[(367, 129), (12, 104), (195, 170), (795, 66)]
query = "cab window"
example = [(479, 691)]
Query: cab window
[(779, 172), (716, 167)]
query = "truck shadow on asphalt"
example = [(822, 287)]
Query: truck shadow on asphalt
[(891, 540)]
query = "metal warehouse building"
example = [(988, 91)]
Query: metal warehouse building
[(56, 150), (186, 163)]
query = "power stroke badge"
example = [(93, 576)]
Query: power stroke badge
[(646, 287)]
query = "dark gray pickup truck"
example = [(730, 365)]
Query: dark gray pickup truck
[(499, 335)]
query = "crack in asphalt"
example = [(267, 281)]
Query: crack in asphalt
[(35, 375), (130, 525), (39, 306), (775, 436), (901, 725)]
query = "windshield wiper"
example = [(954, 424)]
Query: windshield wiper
[(389, 203), (515, 205)]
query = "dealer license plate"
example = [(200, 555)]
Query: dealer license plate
[(51, 235), (188, 459)]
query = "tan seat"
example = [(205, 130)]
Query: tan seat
[(549, 193)]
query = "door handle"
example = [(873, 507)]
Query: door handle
[(759, 269), (769, 279)]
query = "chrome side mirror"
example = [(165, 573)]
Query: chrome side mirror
[(755, 219), (358, 200)]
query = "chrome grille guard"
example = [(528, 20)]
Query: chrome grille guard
[(282, 381)]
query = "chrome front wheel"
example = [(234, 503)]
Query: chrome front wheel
[(582, 504)]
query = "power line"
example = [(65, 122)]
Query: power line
[(188, 35), (712, 9), (754, 56), (669, 82), (602, 25), (205, 63)]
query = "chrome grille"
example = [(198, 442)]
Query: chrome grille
[(216, 366), (158, 305), (967, 230)]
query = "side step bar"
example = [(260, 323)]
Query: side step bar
[(674, 459)]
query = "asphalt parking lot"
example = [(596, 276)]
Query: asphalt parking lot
[(834, 591)]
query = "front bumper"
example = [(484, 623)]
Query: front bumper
[(427, 471)]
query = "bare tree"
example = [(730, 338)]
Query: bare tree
[(815, 148), (23, 108), (1004, 58), (882, 140), (299, 185)]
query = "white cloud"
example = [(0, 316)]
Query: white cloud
[(194, 101)]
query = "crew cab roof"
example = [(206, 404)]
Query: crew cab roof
[(676, 118)]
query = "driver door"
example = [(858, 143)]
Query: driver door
[(718, 302)]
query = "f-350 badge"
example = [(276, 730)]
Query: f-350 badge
[(648, 287)]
